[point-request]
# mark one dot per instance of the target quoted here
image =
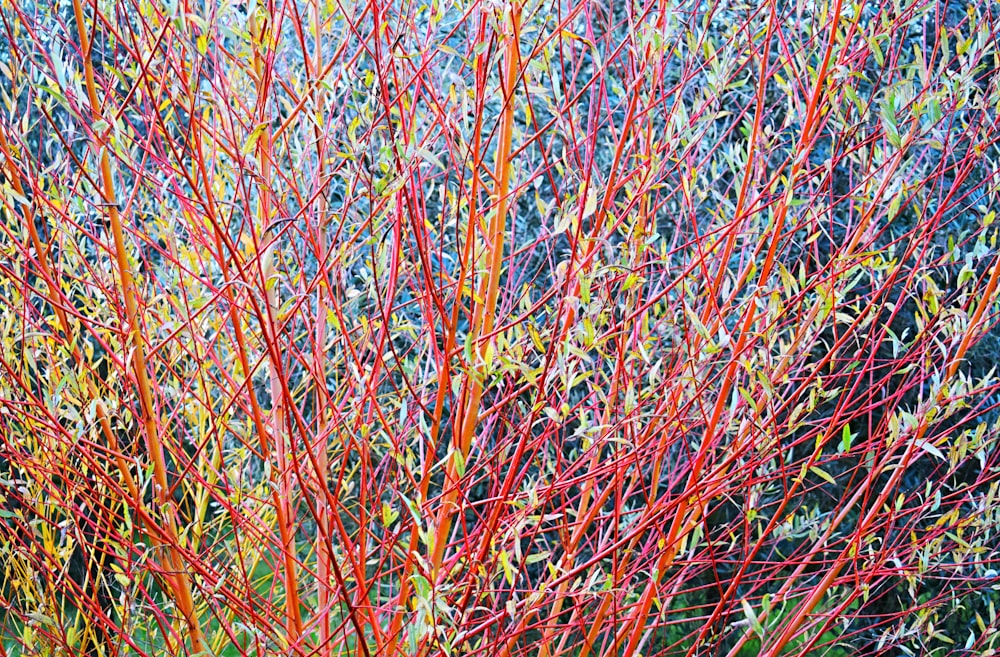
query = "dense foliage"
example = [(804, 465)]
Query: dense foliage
[(469, 327)]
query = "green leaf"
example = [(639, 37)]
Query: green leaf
[(934, 111), (752, 618), (536, 557), (422, 586), (59, 64), (389, 515), (430, 157), (932, 450), (823, 474), (894, 203), (846, 438), (876, 51)]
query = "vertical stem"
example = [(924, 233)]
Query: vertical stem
[(283, 508), (323, 555), (179, 583), (444, 373), (485, 312)]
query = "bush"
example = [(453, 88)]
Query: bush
[(498, 328)]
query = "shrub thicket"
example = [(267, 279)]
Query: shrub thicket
[(498, 328)]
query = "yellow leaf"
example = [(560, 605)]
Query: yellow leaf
[(590, 205), (508, 570), (823, 474), (252, 140)]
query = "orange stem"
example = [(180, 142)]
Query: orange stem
[(484, 315), (181, 584)]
